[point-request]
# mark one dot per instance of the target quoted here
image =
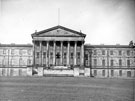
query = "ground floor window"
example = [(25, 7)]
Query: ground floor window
[(95, 72), (103, 73), (128, 73), (112, 73), (120, 72)]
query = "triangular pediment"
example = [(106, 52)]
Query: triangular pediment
[(58, 31)]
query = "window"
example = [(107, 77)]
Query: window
[(20, 51), (103, 73), (111, 52), (44, 54), (128, 73), (37, 54), (51, 55), (103, 52), (111, 62), (103, 62), (86, 56), (29, 62), (120, 62), (95, 62), (58, 55), (120, 72), (29, 52), (112, 72), (65, 55), (95, 72), (95, 52), (20, 62), (120, 52), (128, 63), (4, 51), (12, 51), (128, 52), (71, 55), (78, 55)]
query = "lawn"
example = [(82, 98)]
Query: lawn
[(65, 89)]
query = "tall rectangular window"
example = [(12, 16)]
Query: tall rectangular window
[(78, 55), (51, 55), (44, 54), (86, 56), (128, 52), (120, 52), (71, 55), (112, 63), (4, 51), (103, 73), (111, 52), (37, 54), (95, 52), (103, 52), (120, 72), (128, 63), (65, 55), (103, 62), (95, 62), (95, 72), (120, 62), (112, 72)]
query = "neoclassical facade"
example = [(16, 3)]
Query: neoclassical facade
[(60, 51), (58, 46)]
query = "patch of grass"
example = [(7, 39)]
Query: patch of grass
[(65, 89)]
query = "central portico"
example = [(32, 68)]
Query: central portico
[(58, 47)]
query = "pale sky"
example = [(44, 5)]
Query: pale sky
[(103, 21)]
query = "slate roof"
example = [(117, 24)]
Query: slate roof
[(57, 27)]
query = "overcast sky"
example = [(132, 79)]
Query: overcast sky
[(103, 21)]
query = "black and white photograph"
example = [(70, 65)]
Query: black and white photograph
[(67, 50)]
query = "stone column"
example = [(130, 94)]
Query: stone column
[(40, 53), (54, 52), (33, 53), (82, 53), (75, 46), (47, 53), (61, 53), (68, 52)]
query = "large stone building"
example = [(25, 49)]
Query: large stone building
[(60, 51)]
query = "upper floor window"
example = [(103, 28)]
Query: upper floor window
[(103, 52), (111, 52), (128, 52), (120, 52), (103, 62), (120, 62), (95, 52), (44, 54), (29, 52), (78, 55), (29, 61), (71, 55), (95, 62), (4, 51), (65, 55), (37, 54), (51, 55), (12, 51), (86, 56), (112, 62), (128, 63)]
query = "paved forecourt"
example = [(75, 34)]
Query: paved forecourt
[(65, 89)]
